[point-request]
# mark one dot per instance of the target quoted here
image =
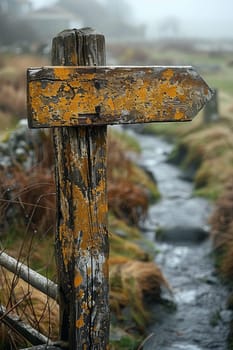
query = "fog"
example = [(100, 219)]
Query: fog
[(190, 18)]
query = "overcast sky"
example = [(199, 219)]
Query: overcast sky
[(148, 9), (187, 12), (190, 9)]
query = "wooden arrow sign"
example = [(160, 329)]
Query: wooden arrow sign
[(71, 96)]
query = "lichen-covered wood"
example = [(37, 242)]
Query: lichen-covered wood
[(65, 96), (82, 237)]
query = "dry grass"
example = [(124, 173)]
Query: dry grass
[(8, 93), (208, 153), (29, 194), (212, 149), (222, 231), (32, 307), (123, 247), (13, 84), (128, 185), (32, 199), (32, 193), (127, 201), (6, 120), (133, 282)]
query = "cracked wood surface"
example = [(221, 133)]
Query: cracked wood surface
[(68, 96), (81, 237)]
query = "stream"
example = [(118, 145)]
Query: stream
[(194, 316)]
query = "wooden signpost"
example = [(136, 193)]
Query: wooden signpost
[(78, 102)]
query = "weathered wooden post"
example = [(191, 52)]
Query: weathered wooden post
[(211, 110), (81, 241), (79, 103)]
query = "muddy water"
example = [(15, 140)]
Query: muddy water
[(194, 316)]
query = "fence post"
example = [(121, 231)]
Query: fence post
[(211, 110), (81, 235)]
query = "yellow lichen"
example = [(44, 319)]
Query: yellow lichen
[(143, 100), (78, 280), (80, 322)]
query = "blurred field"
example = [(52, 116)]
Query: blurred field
[(204, 149), (13, 87)]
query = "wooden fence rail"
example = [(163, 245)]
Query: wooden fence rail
[(30, 276), (26, 331)]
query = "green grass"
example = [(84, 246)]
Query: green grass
[(222, 83), (125, 343), (220, 78), (193, 58), (130, 142)]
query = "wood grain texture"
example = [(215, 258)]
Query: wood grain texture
[(82, 239), (67, 96)]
